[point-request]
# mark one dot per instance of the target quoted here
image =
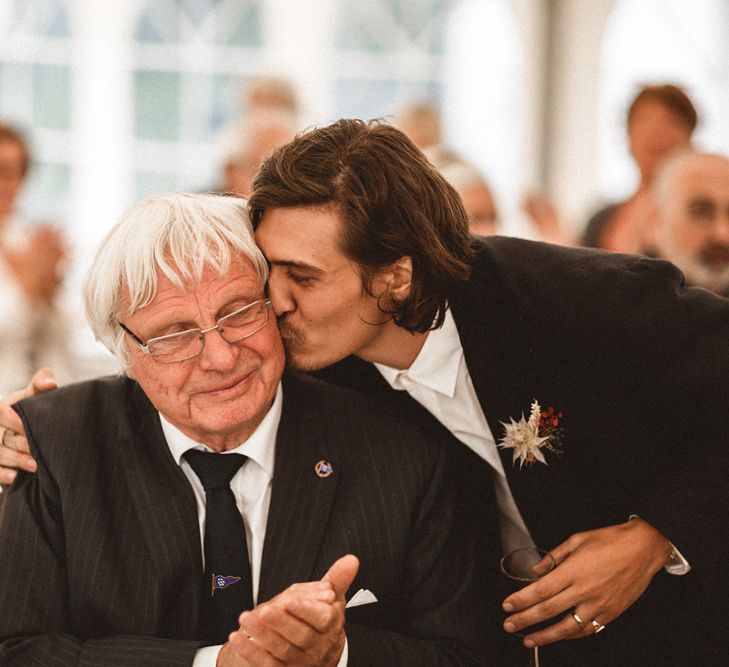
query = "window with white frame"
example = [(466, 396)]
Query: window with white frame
[(191, 58), (389, 53), (35, 96)]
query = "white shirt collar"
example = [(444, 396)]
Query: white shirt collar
[(437, 364), (260, 446)]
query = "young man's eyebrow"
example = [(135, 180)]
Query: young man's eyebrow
[(301, 266)]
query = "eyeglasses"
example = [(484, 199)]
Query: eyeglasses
[(187, 344)]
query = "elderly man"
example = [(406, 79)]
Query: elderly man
[(692, 217), (127, 547)]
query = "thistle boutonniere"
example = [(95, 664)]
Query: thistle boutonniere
[(528, 437)]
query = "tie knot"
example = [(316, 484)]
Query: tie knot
[(214, 470)]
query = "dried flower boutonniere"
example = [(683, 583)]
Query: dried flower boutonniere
[(528, 437)]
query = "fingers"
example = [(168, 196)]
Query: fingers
[(566, 628), (43, 380), (247, 651), (301, 626), (14, 452), (543, 589), (342, 573), (550, 606), (601, 573)]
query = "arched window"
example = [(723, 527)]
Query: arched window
[(661, 41), (389, 53), (191, 57), (35, 95)]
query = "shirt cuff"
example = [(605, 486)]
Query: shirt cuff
[(345, 654), (207, 657), (677, 564)]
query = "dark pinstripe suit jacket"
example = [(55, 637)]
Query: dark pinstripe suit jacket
[(101, 556), (639, 367)]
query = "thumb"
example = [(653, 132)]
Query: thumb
[(342, 573)]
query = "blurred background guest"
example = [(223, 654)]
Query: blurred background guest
[(661, 119), (476, 195), (692, 217), (36, 328), (255, 138), (268, 117)]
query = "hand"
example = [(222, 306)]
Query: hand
[(599, 574), (14, 450), (302, 626), (38, 266)]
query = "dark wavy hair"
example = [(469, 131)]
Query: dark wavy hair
[(392, 202)]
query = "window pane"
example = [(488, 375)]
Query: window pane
[(149, 32), (48, 189), (51, 96), (56, 23), (226, 89), (358, 98), (157, 102), (16, 91), (197, 10), (148, 183), (245, 31)]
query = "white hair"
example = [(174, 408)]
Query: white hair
[(177, 235)]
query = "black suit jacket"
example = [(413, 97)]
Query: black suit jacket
[(639, 367), (101, 550)]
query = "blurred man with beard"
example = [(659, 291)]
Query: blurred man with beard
[(692, 231)]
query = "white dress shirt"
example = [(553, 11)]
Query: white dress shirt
[(251, 486), (438, 379)]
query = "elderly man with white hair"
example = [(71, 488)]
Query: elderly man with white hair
[(176, 507)]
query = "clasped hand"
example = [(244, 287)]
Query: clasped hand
[(302, 626), (599, 574)]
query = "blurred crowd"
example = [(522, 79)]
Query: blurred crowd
[(679, 210)]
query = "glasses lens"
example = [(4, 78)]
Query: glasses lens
[(244, 322), (176, 347)]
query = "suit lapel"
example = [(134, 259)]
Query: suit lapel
[(301, 500), (502, 351), (165, 506)]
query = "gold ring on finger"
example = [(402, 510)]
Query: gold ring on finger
[(578, 620), (599, 627)]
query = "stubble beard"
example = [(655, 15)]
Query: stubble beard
[(293, 340)]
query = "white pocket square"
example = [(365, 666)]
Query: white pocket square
[(362, 596)]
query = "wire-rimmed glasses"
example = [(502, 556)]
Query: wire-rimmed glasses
[(183, 345)]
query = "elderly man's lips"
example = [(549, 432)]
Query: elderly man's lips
[(227, 386)]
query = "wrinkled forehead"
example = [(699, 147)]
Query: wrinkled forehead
[(240, 277)]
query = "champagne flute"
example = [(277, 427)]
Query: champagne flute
[(523, 567)]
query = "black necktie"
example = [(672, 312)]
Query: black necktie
[(227, 587)]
